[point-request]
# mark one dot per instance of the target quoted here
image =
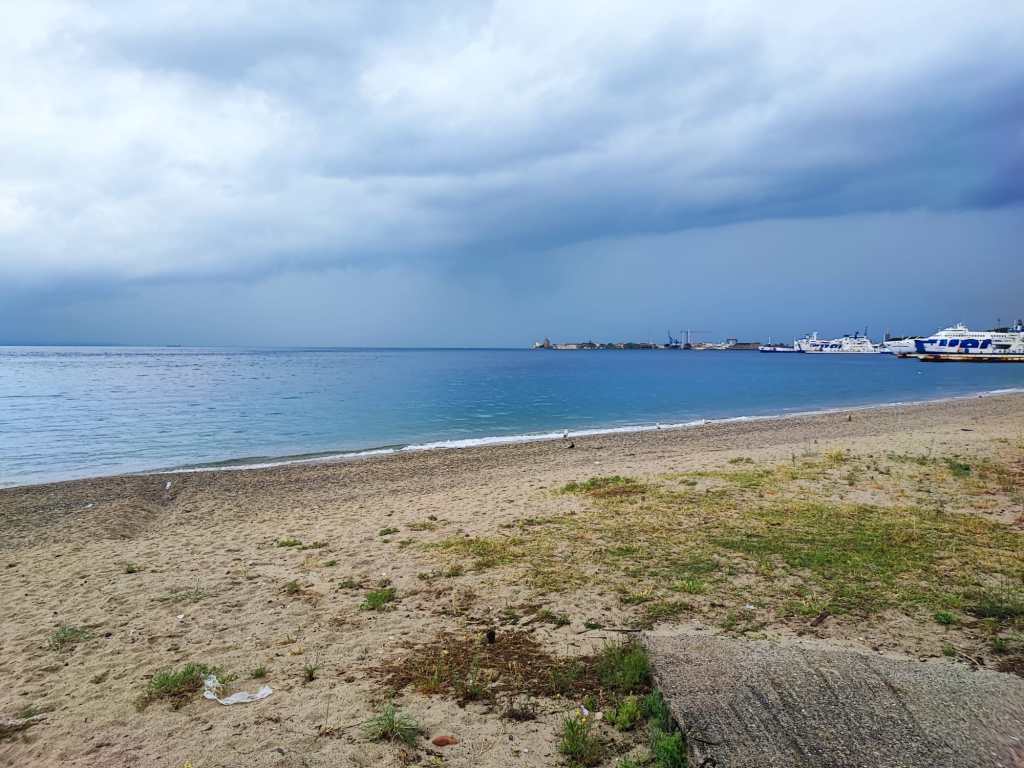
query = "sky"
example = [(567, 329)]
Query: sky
[(490, 173)]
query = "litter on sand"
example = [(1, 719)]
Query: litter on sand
[(212, 686)]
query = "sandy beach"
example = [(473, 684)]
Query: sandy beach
[(892, 530)]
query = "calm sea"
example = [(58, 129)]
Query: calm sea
[(80, 412)]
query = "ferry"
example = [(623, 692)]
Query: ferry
[(959, 339), (958, 342), (847, 345)]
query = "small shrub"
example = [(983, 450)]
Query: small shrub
[(668, 749), (1000, 645), (309, 671), (289, 541), (627, 714), (378, 599), (578, 743), (837, 457), (132, 567), (655, 710), (259, 672), (387, 531), (564, 677), (945, 618), (958, 468), (66, 636), (550, 617), (292, 588), (392, 725), (948, 650), (624, 668)]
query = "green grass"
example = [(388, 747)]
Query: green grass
[(292, 588), (177, 685), (392, 725), (309, 671), (868, 558), (289, 541), (578, 743), (66, 636), (624, 668), (130, 567), (259, 672), (387, 531), (378, 599), (945, 618)]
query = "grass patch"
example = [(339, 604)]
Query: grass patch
[(387, 531), (130, 567), (614, 486), (1003, 604), (515, 664), (485, 553), (868, 558), (624, 668), (193, 595), (65, 636), (392, 725), (945, 618), (177, 686), (259, 672), (289, 541), (378, 599)]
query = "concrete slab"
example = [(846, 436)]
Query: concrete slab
[(747, 704)]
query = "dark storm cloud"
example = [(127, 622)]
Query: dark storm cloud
[(188, 142)]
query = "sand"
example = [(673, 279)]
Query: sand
[(210, 583)]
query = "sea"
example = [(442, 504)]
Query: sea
[(74, 412)]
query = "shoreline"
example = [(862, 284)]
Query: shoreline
[(252, 463)]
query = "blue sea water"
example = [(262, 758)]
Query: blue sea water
[(80, 412)]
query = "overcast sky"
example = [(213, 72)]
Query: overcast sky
[(477, 173)]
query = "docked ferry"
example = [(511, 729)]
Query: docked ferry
[(958, 340), (847, 345)]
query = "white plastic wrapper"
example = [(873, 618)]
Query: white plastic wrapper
[(212, 687)]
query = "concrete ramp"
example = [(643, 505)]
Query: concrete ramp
[(756, 704)]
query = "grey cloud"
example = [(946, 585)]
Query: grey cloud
[(196, 141)]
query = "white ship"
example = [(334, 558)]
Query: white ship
[(900, 347), (847, 345), (960, 340)]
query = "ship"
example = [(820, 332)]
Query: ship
[(959, 343), (845, 345)]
